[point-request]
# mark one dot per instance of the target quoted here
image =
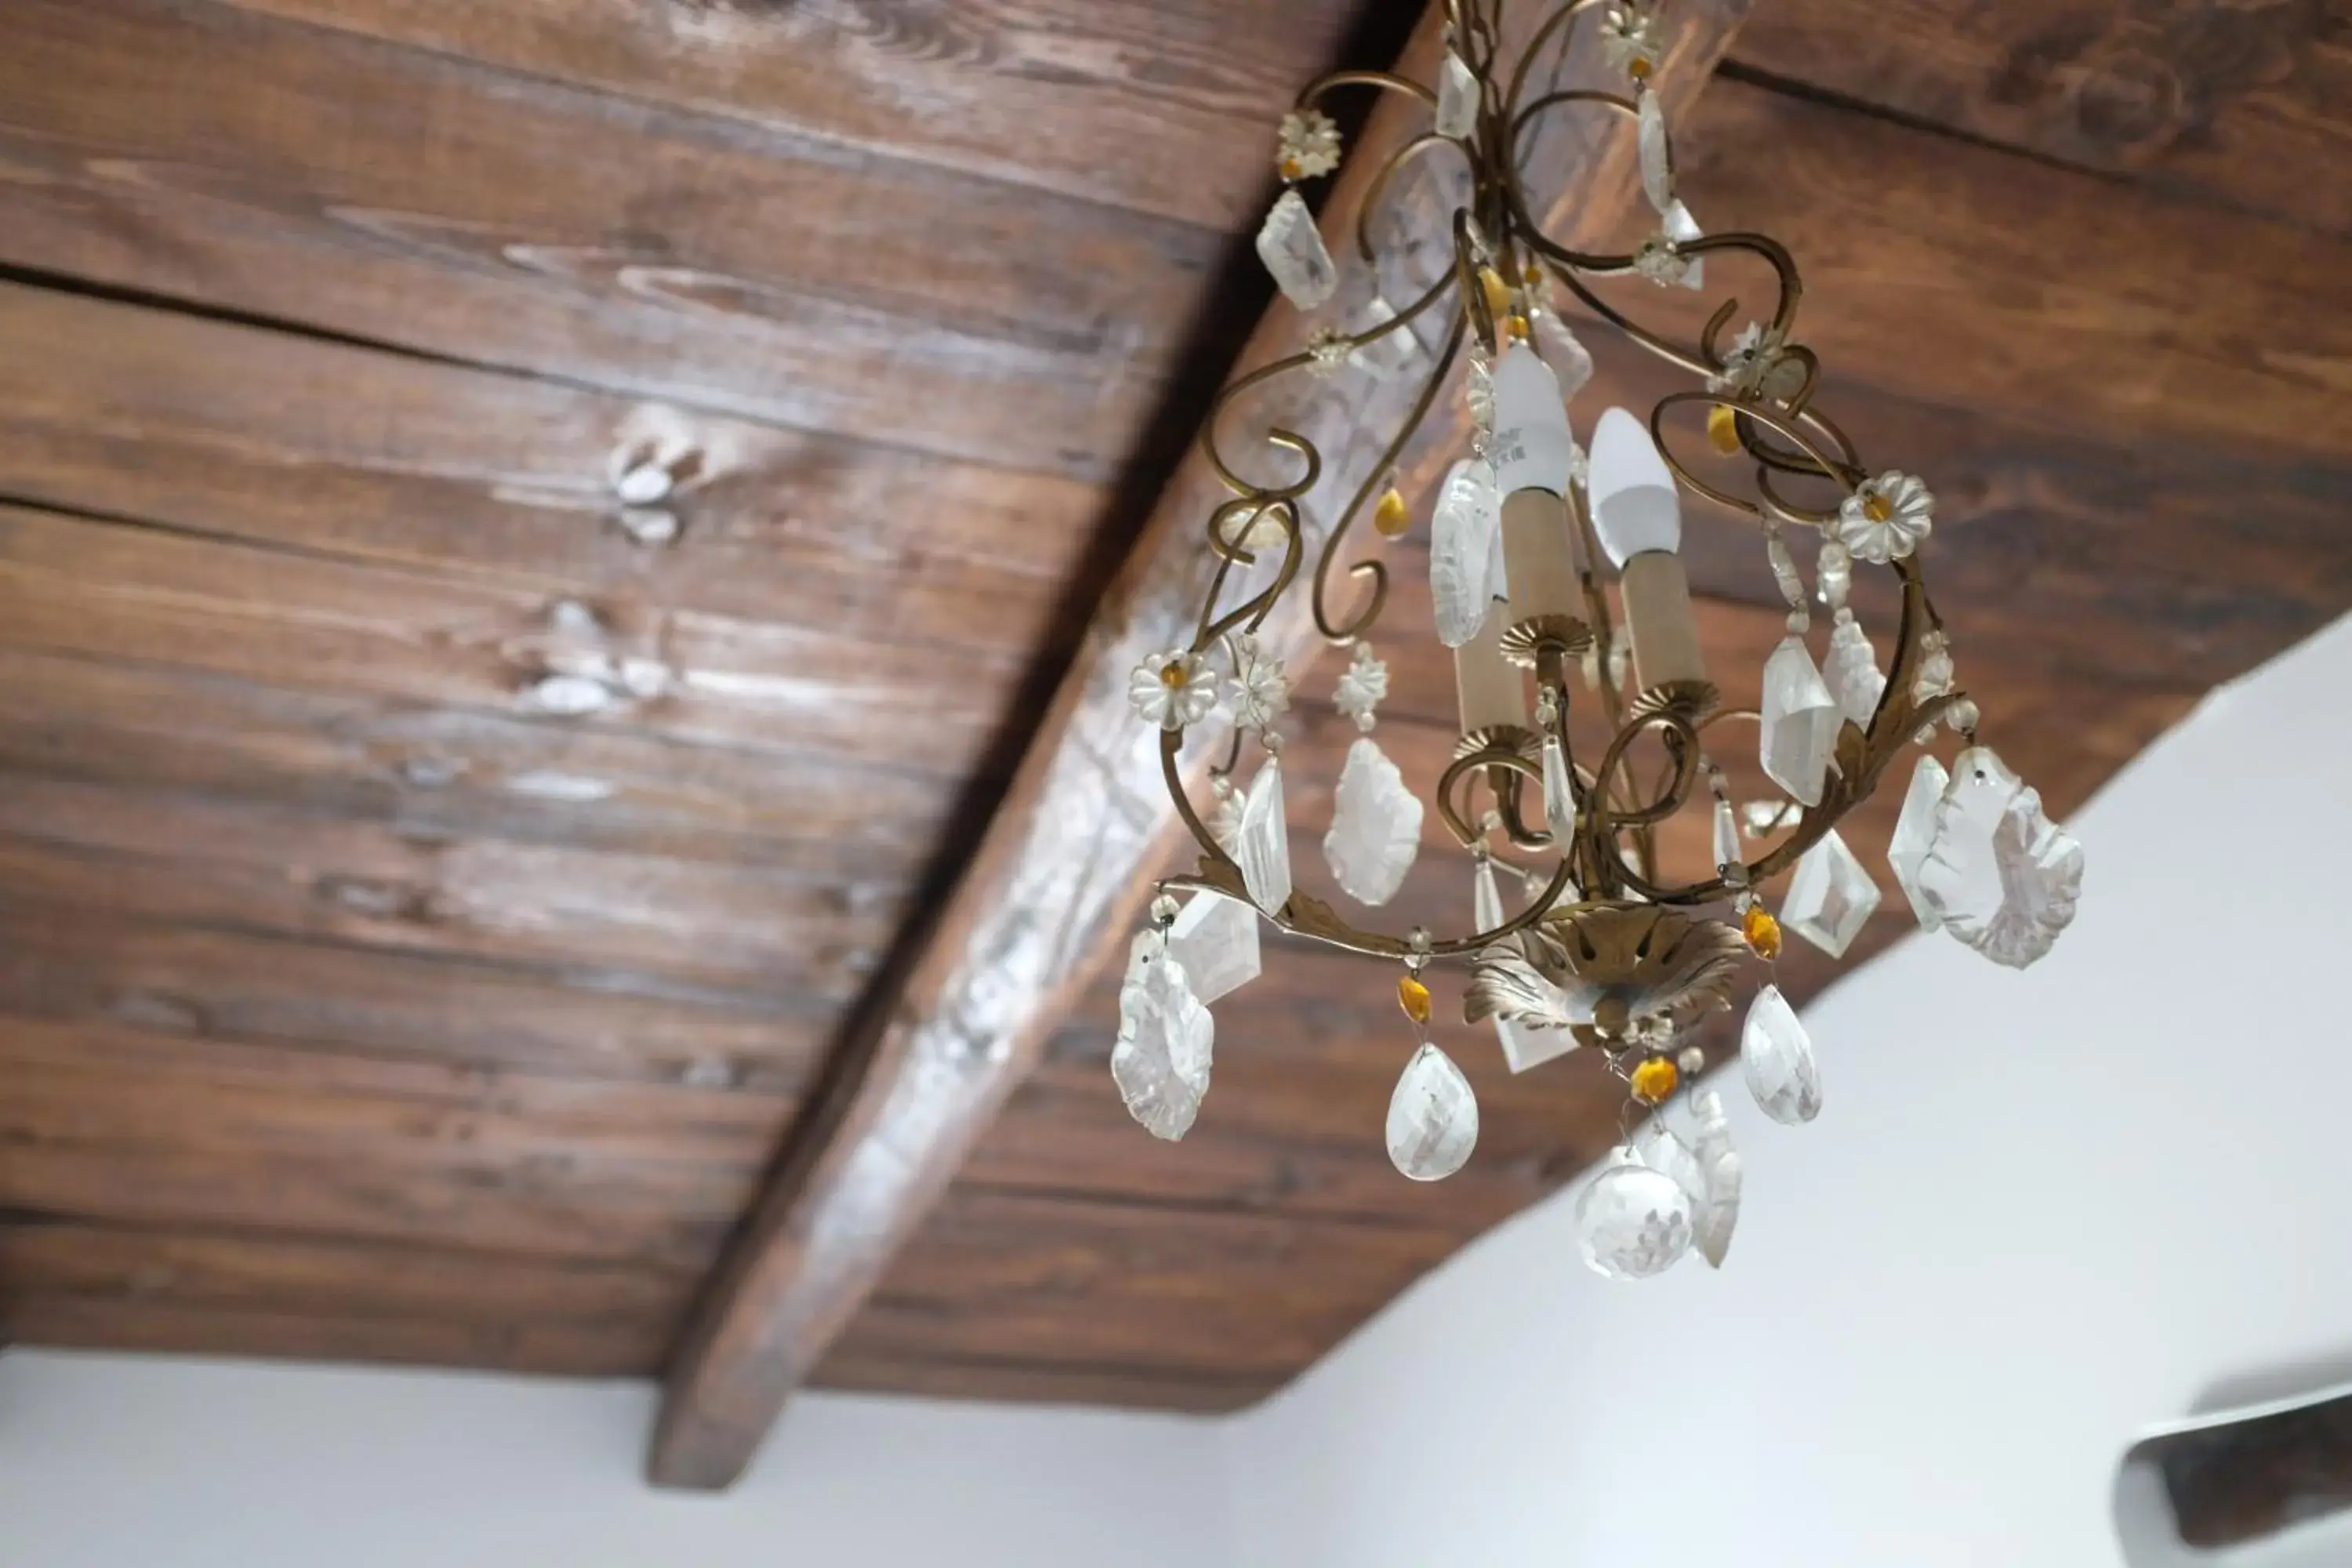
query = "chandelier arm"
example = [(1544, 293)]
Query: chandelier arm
[(1275, 435), (1559, 19), (1252, 614), (1378, 189), (1375, 571), (1311, 96), (1824, 466)]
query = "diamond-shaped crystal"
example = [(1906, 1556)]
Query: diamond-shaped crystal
[(1457, 98), (1801, 720), (1262, 844), (1160, 1062), (1715, 1209), (1432, 1117), (1375, 826), (1293, 250), (2003, 875), (1775, 1056), (1852, 673), (1525, 1044), (1915, 830), (1462, 550), (1831, 898), (1632, 1222), (1215, 939)]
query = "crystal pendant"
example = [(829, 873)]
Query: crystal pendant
[(1165, 1038), (1293, 250), (2003, 875), (1563, 350), (1728, 852), (1777, 1055), (1831, 898), (1913, 831), (1657, 154), (1852, 673), (1662, 1150), (1715, 1209), (1682, 229), (1525, 1044), (1559, 804), (1388, 356), (1215, 939), (1262, 846), (1632, 1222), (1457, 98), (1432, 1117), (1375, 826), (1801, 721), (1462, 550)]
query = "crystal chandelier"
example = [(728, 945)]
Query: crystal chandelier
[(1603, 950)]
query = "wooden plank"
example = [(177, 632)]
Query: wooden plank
[(954, 1028), (2241, 106), (412, 198), (79, 967), (897, 1370), (215, 428), (74, 586), (1158, 107)]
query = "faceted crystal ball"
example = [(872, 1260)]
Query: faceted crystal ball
[(1632, 1222)]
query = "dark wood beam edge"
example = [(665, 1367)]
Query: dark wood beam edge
[(1063, 866)]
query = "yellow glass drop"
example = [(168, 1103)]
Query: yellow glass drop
[(1292, 168), (1516, 329), (1638, 68), (1499, 293), (1654, 1079), (1171, 674), (1390, 519), (1534, 273), (1414, 997), (1723, 429), (1762, 931)]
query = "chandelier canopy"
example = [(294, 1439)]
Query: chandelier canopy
[(1603, 949)]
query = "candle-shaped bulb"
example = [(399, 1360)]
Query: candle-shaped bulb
[(1532, 450), (1632, 491)]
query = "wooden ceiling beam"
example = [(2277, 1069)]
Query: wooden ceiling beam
[(1056, 875)]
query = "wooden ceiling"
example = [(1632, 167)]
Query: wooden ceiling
[(433, 901)]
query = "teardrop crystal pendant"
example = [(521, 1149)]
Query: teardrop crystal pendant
[(1777, 1057), (1632, 1222), (1852, 673), (1525, 1044), (1160, 1061), (1800, 722), (1462, 550), (1432, 1117), (1293, 250), (1715, 1210), (1831, 898), (1915, 830), (1262, 845), (1727, 839), (1560, 804), (1375, 826), (1457, 98), (1215, 939), (2002, 876)]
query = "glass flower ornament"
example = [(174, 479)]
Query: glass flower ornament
[(1885, 519), (1173, 689)]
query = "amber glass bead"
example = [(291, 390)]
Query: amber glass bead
[(1638, 68), (1390, 519), (1877, 508), (1173, 674), (1654, 1079), (1414, 997), (1292, 168), (1762, 931), (1723, 429)]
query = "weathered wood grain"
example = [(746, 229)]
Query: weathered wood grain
[(345, 184), (1156, 107), (2243, 105)]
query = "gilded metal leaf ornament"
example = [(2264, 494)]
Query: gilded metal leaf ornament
[(1606, 965)]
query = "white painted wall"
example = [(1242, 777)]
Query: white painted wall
[(137, 1462), (2039, 1212)]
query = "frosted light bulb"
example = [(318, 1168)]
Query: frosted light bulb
[(1632, 491), (1532, 450)]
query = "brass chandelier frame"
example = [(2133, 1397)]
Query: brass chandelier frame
[(1611, 853)]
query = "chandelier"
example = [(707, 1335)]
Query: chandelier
[(1601, 949)]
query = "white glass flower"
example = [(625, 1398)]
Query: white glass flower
[(1259, 690), (1309, 144), (1629, 39), (1362, 687), (1747, 360), (1885, 518), (1173, 689), (1327, 350), (1225, 817), (1660, 263)]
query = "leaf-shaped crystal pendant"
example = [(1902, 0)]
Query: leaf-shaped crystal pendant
[(1915, 830), (1800, 722), (1165, 1039), (1716, 1209), (1525, 1044), (1831, 898), (1215, 939), (1777, 1055), (1657, 154), (1852, 673), (1375, 826), (2003, 875), (1293, 250), (1432, 1117), (1632, 1222), (1262, 847), (1457, 98), (1560, 804), (1462, 553)]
